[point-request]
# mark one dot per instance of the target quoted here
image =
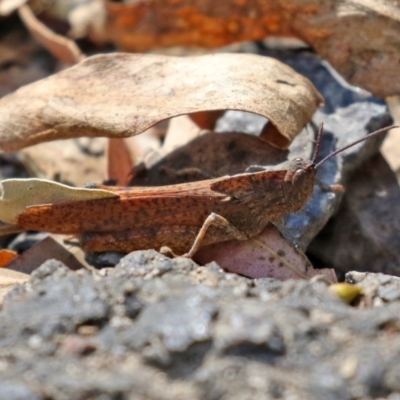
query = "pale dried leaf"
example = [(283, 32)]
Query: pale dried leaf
[(391, 146), (62, 48), (144, 146), (74, 161), (254, 258), (21, 193), (9, 6), (84, 16), (123, 154), (120, 95), (181, 130)]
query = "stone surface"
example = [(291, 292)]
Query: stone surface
[(155, 328), (349, 114), (365, 233), (377, 288)]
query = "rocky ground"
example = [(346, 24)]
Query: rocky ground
[(155, 328)]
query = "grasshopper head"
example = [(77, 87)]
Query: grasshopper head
[(298, 183)]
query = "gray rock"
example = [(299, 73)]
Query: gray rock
[(14, 390), (365, 233), (377, 287), (193, 332), (348, 115)]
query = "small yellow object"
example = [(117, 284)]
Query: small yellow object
[(346, 291)]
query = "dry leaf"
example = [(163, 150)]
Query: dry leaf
[(268, 255), (391, 146), (84, 16), (46, 249), (144, 145), (119, 161), (120, 95), (9, 6), (360, 38), (181, 130), (6, 256), (21, 193), (74, 162), (206, 119), (62, 48)]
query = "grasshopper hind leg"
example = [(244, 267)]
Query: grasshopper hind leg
[(178, 238), (216, 220)]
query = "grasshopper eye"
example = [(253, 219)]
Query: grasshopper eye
[(297, 163), (298, 174)]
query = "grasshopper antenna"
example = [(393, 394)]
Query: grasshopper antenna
[(318, 142), (379, 131)]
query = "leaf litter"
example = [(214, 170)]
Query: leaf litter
[(120, 95), (63, 122)]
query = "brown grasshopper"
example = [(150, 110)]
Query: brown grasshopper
[(186, 216)]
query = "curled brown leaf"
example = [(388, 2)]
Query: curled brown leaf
[(360, 38), (120, 95)]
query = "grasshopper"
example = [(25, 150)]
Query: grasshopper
[(184, 217)]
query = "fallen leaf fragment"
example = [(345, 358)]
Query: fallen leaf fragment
[(74, 162), (62, 48), (6, 256), (391, 148), (41, 252), (207, 119), (119, 161), (181, 130), (85, 17), (21, 193), (8, 279), (120, 95), (268, 255), (8, 6)]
